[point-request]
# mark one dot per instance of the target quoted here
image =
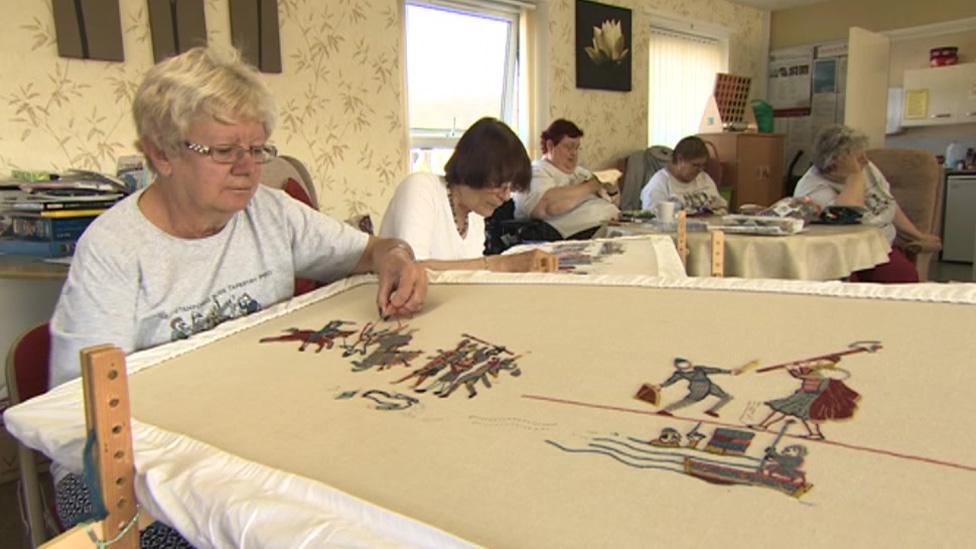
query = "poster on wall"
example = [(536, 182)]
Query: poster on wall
[(825, 76), (603, 46), (790, 79)]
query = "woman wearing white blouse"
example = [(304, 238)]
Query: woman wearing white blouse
[(443, 217)]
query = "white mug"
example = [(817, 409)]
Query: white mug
[(665, 211)]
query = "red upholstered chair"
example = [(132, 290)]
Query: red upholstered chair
[(290, 175), (27, 377)]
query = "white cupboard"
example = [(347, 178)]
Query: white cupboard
[(940, 95)]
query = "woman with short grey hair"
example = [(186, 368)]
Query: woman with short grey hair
[(835, 142), (842, 175)]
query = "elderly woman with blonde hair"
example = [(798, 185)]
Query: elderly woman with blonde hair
[(842, 175), (205, 242)]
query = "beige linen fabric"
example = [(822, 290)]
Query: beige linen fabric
[(651, 255), (902, 472)]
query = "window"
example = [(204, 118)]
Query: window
[(681, 75), (461, 66)]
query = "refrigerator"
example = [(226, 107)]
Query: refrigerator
[(959, 225)]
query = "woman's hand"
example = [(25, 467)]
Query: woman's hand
[(402, 281), (848, 165), (532, 261), (609, 192)]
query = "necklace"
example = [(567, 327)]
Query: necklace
[(461, 222)]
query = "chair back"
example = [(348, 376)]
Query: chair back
[(502, 230), (639, 167), (916, 183), (713, 166), (289, 174), (27, 364), (27, 377)]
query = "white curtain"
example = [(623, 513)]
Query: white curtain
[(682, 71)]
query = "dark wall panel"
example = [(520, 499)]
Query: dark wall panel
[(177, 26), (88, 29), (254, 31)]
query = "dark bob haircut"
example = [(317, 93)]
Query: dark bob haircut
[(556, 131), (690, 148), (489, 154)]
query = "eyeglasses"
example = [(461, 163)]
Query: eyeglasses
[(232, 154)]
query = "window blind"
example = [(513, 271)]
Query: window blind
[(681, 75)]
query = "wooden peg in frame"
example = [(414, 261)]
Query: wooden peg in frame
[(107, 413), (683, 237), (718, 253)]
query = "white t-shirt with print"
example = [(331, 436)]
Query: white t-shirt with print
[(134, 286), (700, 192), (878, 200), (589, 213)]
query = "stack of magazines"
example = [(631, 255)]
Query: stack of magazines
[(44, 214)]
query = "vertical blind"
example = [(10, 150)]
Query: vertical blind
[(681, 75)]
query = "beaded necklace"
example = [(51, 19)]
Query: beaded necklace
[(461, 222)]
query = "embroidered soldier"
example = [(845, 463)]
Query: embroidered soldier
[(818, 398), (442, 386), (370, 336), (438, 362), (484, 373), (700, 386), (787, 464), (326, 335)]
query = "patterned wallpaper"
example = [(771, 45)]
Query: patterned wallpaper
[(615, 123), (340, 96)]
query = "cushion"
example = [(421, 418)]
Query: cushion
[(297, 191)]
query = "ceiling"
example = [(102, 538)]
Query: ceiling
[(774, 5)]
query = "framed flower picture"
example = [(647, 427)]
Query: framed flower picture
[(603, 46)]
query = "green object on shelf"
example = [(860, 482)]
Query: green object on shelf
[(33, 175), (764, 115), (726, 193)]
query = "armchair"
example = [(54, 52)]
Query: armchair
[(917, 184)]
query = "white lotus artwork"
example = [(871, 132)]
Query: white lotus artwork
[(608, 44)]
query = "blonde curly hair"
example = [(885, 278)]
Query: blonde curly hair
[(200, 84)]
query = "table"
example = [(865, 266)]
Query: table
[(31, 268), (820, 252), (302, 449)]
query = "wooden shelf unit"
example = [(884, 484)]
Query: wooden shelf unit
[(752, 165)]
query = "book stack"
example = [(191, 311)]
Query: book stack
[(43, 215)]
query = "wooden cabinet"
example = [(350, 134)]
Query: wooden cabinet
[(940, 95), (752, 165)]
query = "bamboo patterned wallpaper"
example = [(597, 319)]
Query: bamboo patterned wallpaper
[(340, 95), (615, 123)]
